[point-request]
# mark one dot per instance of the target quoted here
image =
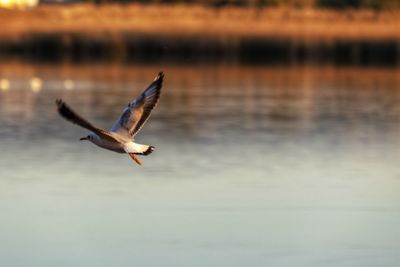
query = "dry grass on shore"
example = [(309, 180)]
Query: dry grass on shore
[(180, 20)]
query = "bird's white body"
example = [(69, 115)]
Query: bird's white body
[(119, 147)]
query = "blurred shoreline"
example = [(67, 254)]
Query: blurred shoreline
[(86, 32)]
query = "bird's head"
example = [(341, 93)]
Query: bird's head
[(89, 137)]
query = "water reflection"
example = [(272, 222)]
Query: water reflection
[(233, 99), (267, 166)]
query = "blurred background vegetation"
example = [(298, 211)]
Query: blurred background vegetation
[(263, 31), (337, 4)]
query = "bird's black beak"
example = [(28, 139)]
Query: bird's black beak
[(83, 138)]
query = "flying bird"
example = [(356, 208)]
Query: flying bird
[(120, 138)]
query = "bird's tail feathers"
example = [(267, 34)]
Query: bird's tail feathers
[(134, 149)]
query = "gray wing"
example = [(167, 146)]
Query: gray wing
[(67, 113), (137, 112)]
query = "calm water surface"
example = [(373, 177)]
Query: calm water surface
[(254, 166)]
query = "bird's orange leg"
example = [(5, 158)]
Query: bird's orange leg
[(135, 158)]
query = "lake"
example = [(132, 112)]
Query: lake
[(254, 166)]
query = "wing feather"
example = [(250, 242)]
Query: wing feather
[(67, 113), (135, 115)]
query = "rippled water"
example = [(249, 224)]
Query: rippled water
[(254, 166)]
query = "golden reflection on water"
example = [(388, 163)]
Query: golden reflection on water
[(36, 84), (260, 97), (4, 84)]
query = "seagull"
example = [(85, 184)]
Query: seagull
[(120, 138)]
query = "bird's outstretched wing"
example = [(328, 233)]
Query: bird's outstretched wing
[(70, 115), (138, 111)]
